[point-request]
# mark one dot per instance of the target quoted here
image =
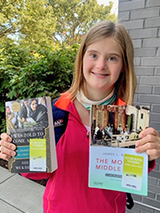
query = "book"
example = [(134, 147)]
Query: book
[(113, 162), (30, 124)]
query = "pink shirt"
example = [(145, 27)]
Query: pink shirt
[(67, 189)]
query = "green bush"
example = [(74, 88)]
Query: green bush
[(26, 73)]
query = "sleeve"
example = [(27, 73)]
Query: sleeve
[(151, 165), (36, 176)]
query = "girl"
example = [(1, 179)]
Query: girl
[(104, 74)]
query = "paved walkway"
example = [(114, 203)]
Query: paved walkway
[(19, 194)]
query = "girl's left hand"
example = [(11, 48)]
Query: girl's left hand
[(150, 143)]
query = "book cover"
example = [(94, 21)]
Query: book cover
[(30, 124), (113, 162)]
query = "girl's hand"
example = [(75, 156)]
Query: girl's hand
[(6, 147), (150, 143)]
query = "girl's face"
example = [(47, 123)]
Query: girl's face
[(102, 65), (34, 105)]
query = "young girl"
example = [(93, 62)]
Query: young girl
[(104, 74)]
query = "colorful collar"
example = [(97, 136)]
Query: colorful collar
[(87, 103)]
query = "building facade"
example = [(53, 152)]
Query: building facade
[(141, 18)]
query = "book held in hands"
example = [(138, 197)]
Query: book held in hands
[(30, 124), (113, 162)]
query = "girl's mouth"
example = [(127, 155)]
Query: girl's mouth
[(100, 75)]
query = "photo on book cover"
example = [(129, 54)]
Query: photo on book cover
[(118, 126), (27, 113)]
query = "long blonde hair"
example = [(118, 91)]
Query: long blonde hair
[(126, 82)]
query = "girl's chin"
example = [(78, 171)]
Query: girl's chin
[(101, 91), (100, 88)]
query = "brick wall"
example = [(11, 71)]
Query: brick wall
[(142, 20)]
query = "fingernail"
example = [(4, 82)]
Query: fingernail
[(137, 144), (137, 150), (13, 147), (13, 154), (9, 139)]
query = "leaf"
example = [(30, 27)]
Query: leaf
[(12, 94)]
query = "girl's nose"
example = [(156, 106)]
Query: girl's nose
[(101, 64)]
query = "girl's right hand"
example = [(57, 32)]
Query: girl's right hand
[(6, 147)]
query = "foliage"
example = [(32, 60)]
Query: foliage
[(37, 23), (50, 22), (26, 73), (75, 17), (8, 11), (29, 22)]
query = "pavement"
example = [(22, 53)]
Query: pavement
[(19, 194)]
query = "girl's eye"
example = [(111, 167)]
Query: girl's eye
[(112, 59), (94, 55)]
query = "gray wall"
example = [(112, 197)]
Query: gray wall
[(142, 20)]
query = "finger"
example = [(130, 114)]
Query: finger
[(153, 154), (145, 146), (7, 145), (147, 131), (149, 138), (4, 156), (148, 147), (6, 137), (6, 151)]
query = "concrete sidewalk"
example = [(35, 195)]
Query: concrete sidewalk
[(19, 194)]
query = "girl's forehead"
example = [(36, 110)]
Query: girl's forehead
[(105, 44), (104, 40)]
